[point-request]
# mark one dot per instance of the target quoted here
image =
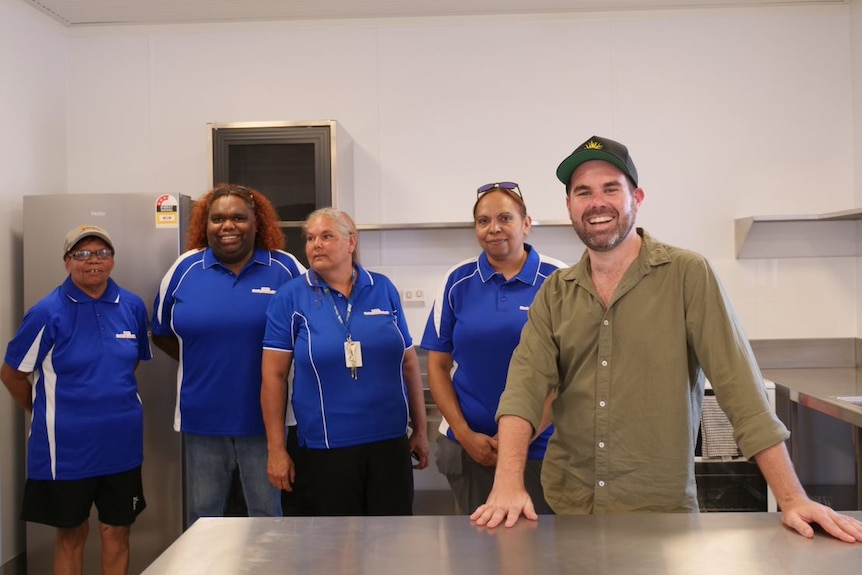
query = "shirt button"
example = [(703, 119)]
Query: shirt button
[(606, 322), (601, 404), (604, 363), (601, 483), (601, 444)]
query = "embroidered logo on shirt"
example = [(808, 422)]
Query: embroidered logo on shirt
[(126, 335), (264, 289), (376, 311), (524, 308)]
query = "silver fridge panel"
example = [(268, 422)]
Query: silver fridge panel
[(144, 251)]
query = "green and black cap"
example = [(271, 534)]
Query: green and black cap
[(597, 148)]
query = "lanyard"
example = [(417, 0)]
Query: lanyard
[(345, 321)]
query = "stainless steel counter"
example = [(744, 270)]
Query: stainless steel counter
[(822, 389), (705, 543), (829, 391)]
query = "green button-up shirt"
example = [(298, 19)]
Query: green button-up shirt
[(630, 382)]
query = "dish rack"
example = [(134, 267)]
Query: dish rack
[(726, 481)]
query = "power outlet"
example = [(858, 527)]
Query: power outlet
[(413, 297)]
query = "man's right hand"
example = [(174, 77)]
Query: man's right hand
[(505, 503)]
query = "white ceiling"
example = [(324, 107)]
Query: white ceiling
[(75, 13)]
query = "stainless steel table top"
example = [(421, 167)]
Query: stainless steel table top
[(822, 389), (825, 381), (702, 544)]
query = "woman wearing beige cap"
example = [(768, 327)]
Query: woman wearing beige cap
[(80, 346)]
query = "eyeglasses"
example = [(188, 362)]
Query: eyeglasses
[(511, 186), (84, 255)]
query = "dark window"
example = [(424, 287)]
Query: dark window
[(289, 164)]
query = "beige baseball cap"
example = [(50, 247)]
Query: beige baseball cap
[(78, 233)]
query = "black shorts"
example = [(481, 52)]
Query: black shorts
[(66, 504)]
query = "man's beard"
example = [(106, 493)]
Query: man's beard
[(605, 240)]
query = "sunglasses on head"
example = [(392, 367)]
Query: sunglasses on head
[(511, 186)]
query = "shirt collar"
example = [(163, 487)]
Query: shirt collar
[(652, 254), (528, 274), (76, 294), (363, 278), (260, 256)]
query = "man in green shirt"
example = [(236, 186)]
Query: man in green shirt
[(624, 339)]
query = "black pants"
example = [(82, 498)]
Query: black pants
[(370, 479), (297, 503)]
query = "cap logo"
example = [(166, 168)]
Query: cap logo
[(593, 145)]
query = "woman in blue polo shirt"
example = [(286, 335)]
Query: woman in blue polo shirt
[(80, 344), (356, 384), (474, 326), (210, 315)]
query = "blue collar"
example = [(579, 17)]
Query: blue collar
[(74, 293), (529, 271), (260, 256), (363, 278)]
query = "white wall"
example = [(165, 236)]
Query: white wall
[(728, 113), (33, 148)]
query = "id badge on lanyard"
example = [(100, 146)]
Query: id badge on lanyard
[(352, 356)]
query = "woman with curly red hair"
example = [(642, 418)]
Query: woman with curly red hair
[(210, 315), (268, 234)]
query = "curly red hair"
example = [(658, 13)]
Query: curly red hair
[(268, 235)]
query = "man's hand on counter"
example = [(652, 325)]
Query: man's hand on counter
[(798, 511), (505, 503), (509, 499), (799, 515)]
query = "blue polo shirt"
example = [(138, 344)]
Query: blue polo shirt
[(333, 409), (219, 319), (87, 416), (477, 316)]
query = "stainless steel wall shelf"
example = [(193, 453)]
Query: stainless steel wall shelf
[(445, 225), (833, 234)]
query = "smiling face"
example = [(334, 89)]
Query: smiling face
[(602, 205), (328, 249), (90, 275), (231, 230), (500, 226)]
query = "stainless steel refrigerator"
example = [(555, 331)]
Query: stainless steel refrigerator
[(147, 230)]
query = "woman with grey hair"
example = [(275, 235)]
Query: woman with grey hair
[(357, 382)]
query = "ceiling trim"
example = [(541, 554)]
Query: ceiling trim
[(86, 13)]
